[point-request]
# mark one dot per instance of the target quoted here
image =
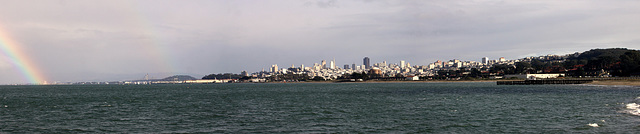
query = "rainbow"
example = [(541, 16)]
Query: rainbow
[(165, 61), (11, 49)]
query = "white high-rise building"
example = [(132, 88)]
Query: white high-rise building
[(485, 60), (402, 64), (274, 68), (332, 64), (302, 67)]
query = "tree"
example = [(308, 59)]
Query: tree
[(318, 78), (475, 73), (506, 69), (223, 76), (356, 75), (521, 67), (629, 63)]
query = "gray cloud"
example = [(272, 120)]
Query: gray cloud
[(117, 40)]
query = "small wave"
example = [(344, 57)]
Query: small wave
[(593, 125), (634, 108)]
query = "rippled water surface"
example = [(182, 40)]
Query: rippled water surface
[(320, 107)]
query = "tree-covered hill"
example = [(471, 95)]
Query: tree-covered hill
[(179, 78), (595, 62), (615, 61)]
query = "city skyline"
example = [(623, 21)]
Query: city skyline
[(121, 40), (400, 62)]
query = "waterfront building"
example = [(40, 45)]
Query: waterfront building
[(375, 71), (244, 73)]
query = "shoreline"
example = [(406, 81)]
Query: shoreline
[(616, 82), (376, 81), (596, 82)]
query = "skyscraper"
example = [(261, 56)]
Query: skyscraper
[(353, 66), (485, 60), (324, 64), (403, 64), (346, 66), (366, 62), (274, 68), (332, 64)]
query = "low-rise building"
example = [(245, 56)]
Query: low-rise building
[(534, 76), (412, 78)]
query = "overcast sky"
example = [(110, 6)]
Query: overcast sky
[(101, 40)]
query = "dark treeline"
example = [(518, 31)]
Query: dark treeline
[(223, 76)]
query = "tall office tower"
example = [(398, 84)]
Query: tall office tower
[(302, 67), (402, 64), (274, 68), (485, 60), (332, 64), (324, 64), (353, 66), (366, 62), (346, 66), (408, 64)]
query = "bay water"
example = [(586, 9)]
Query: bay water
[(473, 107)]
